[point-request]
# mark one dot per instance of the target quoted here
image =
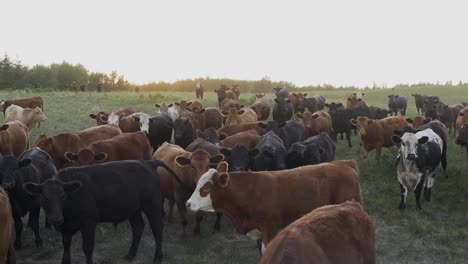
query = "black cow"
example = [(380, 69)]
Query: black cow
[(269, 153), (448, 115), (419, 100), (184, 132), (281, 92), (159, 129), (429, 109), (77, 199), (35, 166), (340, 121), (211, 135), (201, 143), (221, 92), (314, 104), (290, 131), (237, 157), (397, 103), (283, 110), (377, 112), (314, 150), (332, 106)]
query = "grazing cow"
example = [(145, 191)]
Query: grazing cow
[(80, 198), (315, 123), (28, 116), (269, 153), (6, 251), (290, 131), (159, 128), (308, 186), (314, 150), (211, 135), (282, 111), (247, 139), (14, 138), (102, 117), (376, 134), (281, 92), (130, 146), (237, 157), (332, 106), (30, 102), (210, 117), (228, 103), (236, 90), (341, 233), (418, 158), (57, 145), (397, 104), (232, 130), (462, 117), (429, 109), (235, 117), (34, 166), (355, 100), (199, 90), (448, 115), (377, 112), (419, 100), (189, 166), (184, 132), (418, 121), (314, 104), (170, 109), (462, 138), (261, 107)]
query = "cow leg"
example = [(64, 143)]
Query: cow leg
[(138, 225), (430, 183), (217, 226), (403, 194), (182, 212), (417, 192), (88, 232), (18, 230), (348, 137), (33, 223), (199, 217), (153, 213), (171, 211), (66, 242), (378, 151), (259, 246)]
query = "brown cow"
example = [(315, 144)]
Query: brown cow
[(341, 233), (14, 138), (355, 99), (235, 117), (294, 99), (228, 103), (241, 196), (6, 249), (57, 145), (376, 134), (462, 118), (130, 146), (236, 90), (261, 107), (418, 121), (210, 117), (316, 123), (30, 102), (101, 117), (462, 138), (195, 106), (189, 166), (126, 123), (234, 129), (183, 105), (247, 138)]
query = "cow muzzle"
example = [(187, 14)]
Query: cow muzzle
[(56, 221), (411, 157)]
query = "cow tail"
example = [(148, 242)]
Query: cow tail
[(159, 163)]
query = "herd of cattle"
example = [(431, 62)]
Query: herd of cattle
[(210, 159)]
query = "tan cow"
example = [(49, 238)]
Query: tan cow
[(6, 220), (261, 107), (462, 118), (28, 116), (247, 138), (236, 117), (418, 121), (14, 138), (316, 123)]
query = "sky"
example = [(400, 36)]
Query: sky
[(342, 43)]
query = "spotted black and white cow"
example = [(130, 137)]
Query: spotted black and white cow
[(417, 161)]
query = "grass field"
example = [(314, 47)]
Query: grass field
[(436, 234)]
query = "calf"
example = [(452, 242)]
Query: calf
[(269, 153), (28, 116), (440, 129), (314, 150), (14, 138), (462, 138), (282, 111), (418, 121), (315, 123), (130, 146), (195, 106), (397, 103), (290, 131), (80, 198), (6, 251), (101, 117), (235, 129), (376, 134), (57, 145), (295, 99), (332, 107), (232, 194), (341, 233), (314, 104), (34, 166), (221, 93), (235, 117), (30, 102), (261, 107), (419, 100), (170, 109), (183, 105), (419, 156), (429, 109)]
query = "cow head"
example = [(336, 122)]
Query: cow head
[(45, 143), (86, 157), (143, 120), (163, 107), (283, 104), (362, 123), (211, 135), (53, 193), (418, 121), (4, 105), (237, 157), (308, 118), (332, 106), (199, 160), (114, 119), (260, 108), (10, 168), (183, 105), (100, 117), (210, 181), (36, 115), (462, 138), (259, 95), (409, 143)]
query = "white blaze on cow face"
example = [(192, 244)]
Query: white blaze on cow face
[(409, 145), (144, 122), (113, 119), (199, 202)]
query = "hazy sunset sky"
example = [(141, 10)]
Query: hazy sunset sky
[(305, 42)]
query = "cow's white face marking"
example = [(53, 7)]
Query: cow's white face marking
[(196, 201), (144, 122), (409, 145), (263, 248), (173, 112), (254, 234), (113, 119)]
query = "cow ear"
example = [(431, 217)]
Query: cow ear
[(200, 134), (445, 107), (225, 151), (240, 112), (24, 163), (423, 140), (340, 104), (182, 161), (4, 127), (461, 114), (189, 103), (202, 111), (370, 122), (169, 105), (100, 157), (176, 103), (398, 132), (71, 187), (327, 105), (72, 157), (363, 94), (277, 101), (32, 188), (353, 122), (396, 139), (217, 158), (222, 167), (427, 120), (354, 93), (409, 120), (221, 179), (349, 99), (254, 152), (298, 115), (389, 96), (413, 95), (136, 118), (222, 136), (262, 125), (315, 116), (305, 95), (224, 113), (93, 116), (158, 106)]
